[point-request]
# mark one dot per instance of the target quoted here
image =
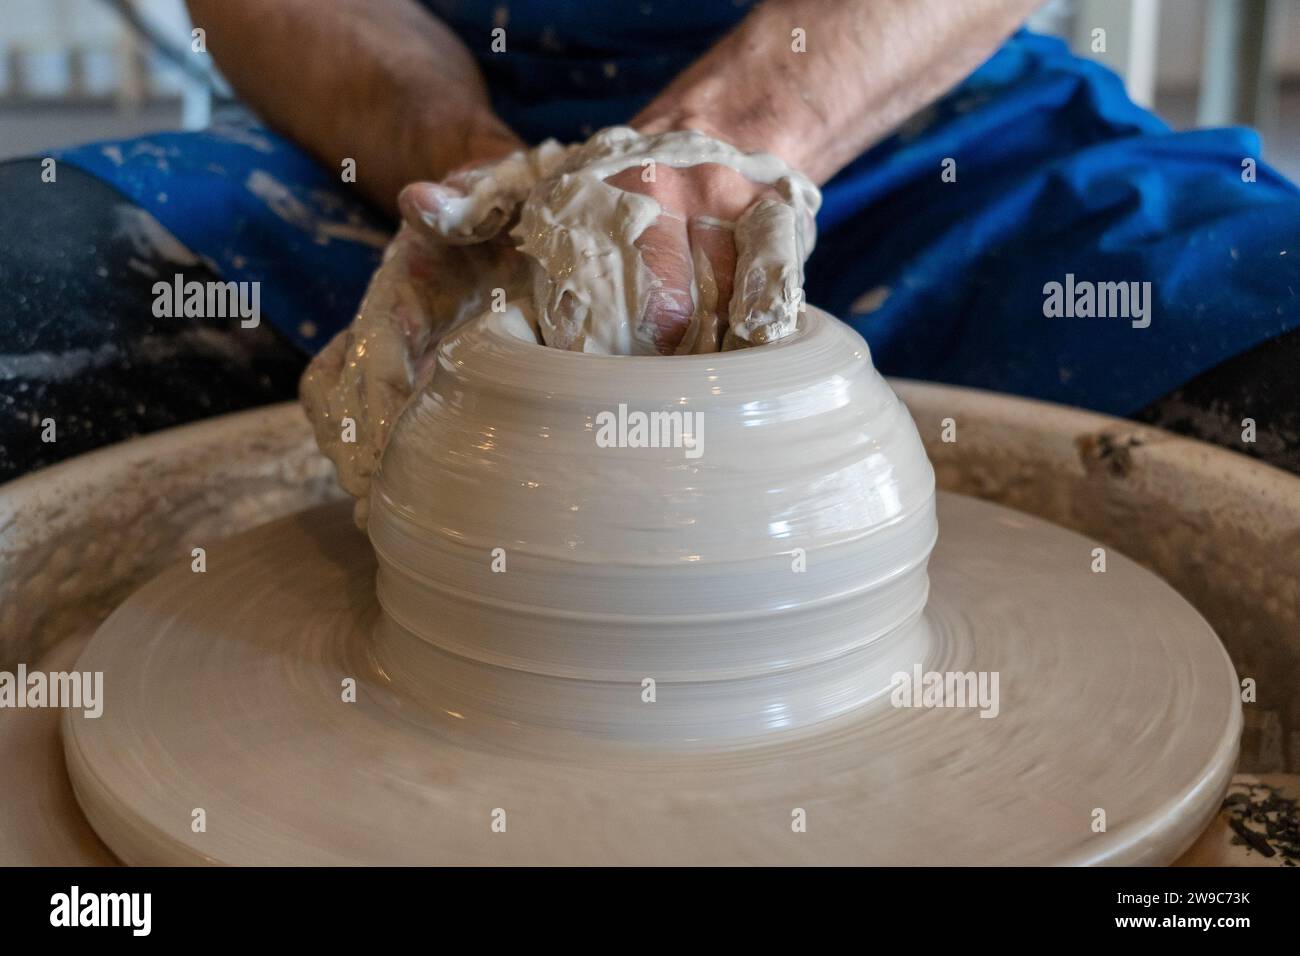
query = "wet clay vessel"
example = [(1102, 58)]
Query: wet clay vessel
[(566, 646)]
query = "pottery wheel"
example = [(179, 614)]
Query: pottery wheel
[(224, 707)]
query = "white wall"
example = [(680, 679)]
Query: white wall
[(1180, 41), (36, 37)]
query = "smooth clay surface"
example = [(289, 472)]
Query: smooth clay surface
[(228, 698), (530, 537), (1222, 528), (585, 651)]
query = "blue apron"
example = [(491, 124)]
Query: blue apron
[(1033, 232)]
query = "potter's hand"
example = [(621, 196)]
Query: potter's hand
[(718, 232), (445, 265), (354, 390), (670, 243), (475, 203)]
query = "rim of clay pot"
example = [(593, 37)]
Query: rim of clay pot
[(504, 343)]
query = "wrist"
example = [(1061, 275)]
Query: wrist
[(437, 141), (488, 138), (751, 136)]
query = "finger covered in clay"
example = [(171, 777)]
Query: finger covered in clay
[(476, 204), (592, 287), (768, 293), (354, 390)]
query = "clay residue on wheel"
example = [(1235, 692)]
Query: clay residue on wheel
[(77, 537), (1108, 451)]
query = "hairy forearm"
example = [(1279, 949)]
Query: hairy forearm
[(379, 81), (867, 66)]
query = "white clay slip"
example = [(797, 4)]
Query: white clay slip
[(591, 285)]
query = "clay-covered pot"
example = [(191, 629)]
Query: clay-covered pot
[(752, 527)]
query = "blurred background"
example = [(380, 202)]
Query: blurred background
[(79, 70)]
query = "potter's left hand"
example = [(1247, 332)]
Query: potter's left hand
[(704, 246), (671, 243)]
